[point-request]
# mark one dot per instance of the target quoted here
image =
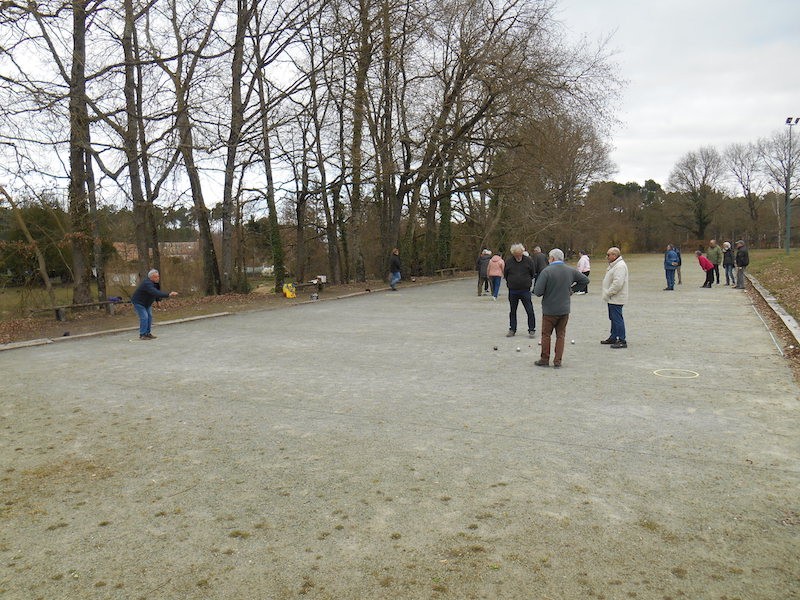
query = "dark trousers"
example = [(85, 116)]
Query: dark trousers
[(549, 323), (716, 273), (581, 287), (709, 278), (483, 284), (514, 298)]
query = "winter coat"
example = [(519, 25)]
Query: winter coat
[(670, 260), (727, 258), (519, 274), (495, 267), (742, 257), (554, 286), (481, 264), (147, 293), (705, 264), (714, 255), (615, 283)]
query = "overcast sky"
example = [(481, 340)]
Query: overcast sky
[(699, 72)]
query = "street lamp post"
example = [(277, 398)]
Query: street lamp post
[(791, 122)]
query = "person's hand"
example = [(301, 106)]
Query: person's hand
[(173, 294)]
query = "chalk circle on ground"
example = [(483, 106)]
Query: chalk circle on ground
[(676, 373)]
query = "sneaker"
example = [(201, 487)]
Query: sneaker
[(150, 336), (511, 333), (494, 298), (620, 344), (542, 363), (556, 366), (609, 341), (579, 293), (145, 337), (532, 334)]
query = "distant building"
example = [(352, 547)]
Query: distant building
[(182, 250)]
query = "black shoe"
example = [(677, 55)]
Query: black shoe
[(609, 341), (541, 363), (620, 344), (511, 333), (556, 366)]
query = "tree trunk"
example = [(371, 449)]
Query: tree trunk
[(78, 144)]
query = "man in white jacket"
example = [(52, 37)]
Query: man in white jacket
[(615, 293)]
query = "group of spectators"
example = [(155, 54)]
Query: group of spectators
[(734, 262), (550, 278)]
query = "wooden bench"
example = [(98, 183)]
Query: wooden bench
[(450, 271), (61, 311), (317, 283)]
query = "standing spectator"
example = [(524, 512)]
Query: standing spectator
[(554, 286), (519, 272), (539, 261), (728, 262), (394, 269), (495, 270), (714, 254), (142, 300), (480, 266), (615, 294), (584, 267), (742, 260), (670, 264), (707, 266), (678, 268)]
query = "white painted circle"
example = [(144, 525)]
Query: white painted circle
[(676, 373)]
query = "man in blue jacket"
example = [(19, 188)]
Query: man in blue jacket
[(143, 299), (554, 285), (670, 264)]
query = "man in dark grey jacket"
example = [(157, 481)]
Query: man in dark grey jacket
[(519, 278), (554, 286)]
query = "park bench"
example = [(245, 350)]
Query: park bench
[(318, 283), (60, 312), (449, 271)]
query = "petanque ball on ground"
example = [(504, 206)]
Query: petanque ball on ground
[(519, 349), (572, 341)]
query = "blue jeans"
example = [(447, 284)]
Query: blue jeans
[(670, 278), (617, 322), (514, 298), (730, 277), (394, 279), (145, 318), (495, 285)]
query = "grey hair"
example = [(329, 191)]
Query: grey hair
[(556, 254), (152, 272), (517, 248), (615, 250)]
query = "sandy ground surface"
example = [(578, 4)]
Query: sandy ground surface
[(379, 447)]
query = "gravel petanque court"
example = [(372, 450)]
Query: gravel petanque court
[(379, 447)]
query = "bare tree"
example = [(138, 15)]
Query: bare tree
[(780, 166), (696, 176), (744, 162)]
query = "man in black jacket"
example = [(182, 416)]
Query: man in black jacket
[(742, 260), (519, 273)]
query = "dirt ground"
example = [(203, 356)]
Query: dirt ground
[(398, 445), (91, 321), (44, 325)]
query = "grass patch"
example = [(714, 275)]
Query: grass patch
[(780, 274)]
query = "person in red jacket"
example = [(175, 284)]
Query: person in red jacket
[(707, 266)]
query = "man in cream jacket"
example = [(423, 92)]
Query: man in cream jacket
[(615, 293)]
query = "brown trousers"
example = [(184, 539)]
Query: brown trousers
[(549, 323)]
